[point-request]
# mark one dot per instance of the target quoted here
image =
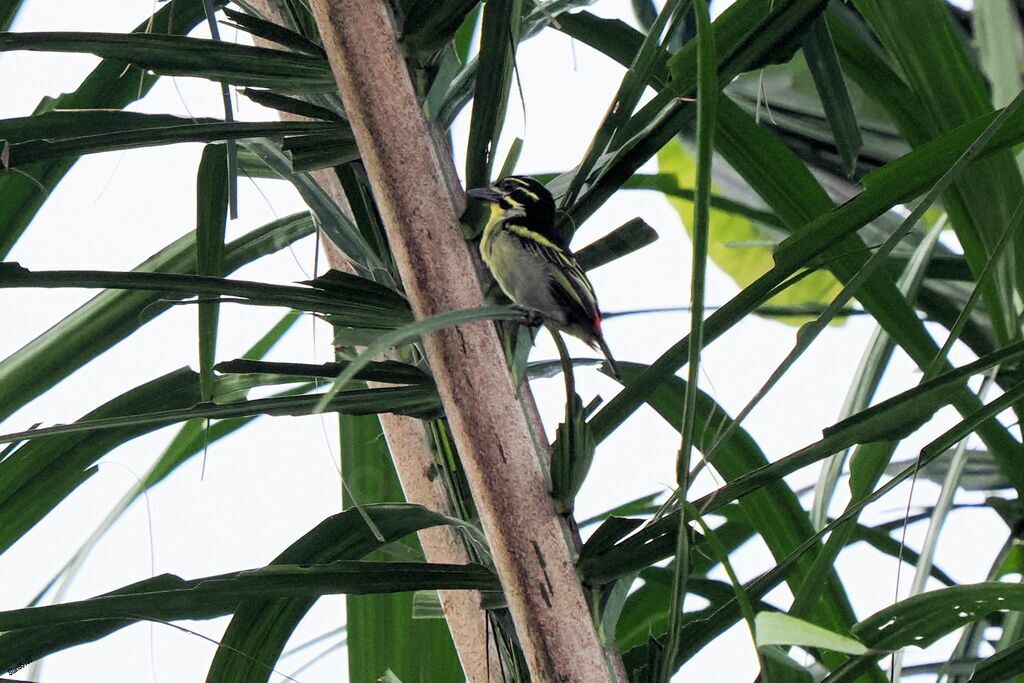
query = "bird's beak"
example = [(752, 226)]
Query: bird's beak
[(484, 194)]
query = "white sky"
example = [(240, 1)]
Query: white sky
[(272, 482)]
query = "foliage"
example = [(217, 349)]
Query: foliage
[(845, 137)]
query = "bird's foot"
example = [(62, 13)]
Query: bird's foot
[(531, 317)]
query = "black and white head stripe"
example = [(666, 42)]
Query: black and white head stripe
[(524, 190), (528, 196)]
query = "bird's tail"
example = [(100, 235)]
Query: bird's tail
[(608, 355)]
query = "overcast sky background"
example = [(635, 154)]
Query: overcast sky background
[(273, 481)]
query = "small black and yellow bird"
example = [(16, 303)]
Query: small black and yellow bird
[(533, 264)]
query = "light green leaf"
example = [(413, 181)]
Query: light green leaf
[(744, 264), (776, 628)]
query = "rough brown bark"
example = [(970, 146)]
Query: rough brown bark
[(529, 545), (413, 455)]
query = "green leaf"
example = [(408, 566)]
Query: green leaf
[(622, 241), (643, 65), (259, 630), (181, 56), (389, 371), (902, 414), (779, 666), (211, 225), (923, 619), (701, 631), (193, 437), (384, 630), (290, 105), (823, 63), (429, 25), (447, 73), (772, 509), (411, 332), (999, 42), (942, 74), (836, 441), (572, 453), (895, 183), (746, 35), (111, 316), (338, 227), (60, 135), (322, 561), (351, 300), (311, 152), (111, 85), (275, 33), (744, 264), (38, 475), (499, 36), (414, 400), (869, 373), (1004, 665), (215, 595), (707, 103), (8, 10), (776, 628)]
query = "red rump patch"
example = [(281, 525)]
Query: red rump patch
[(597, 322)]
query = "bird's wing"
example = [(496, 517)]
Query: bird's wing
[(569, 285)]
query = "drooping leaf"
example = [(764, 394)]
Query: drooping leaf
[(367, 304), (414, 400), (275, 33), (113, 315), (335, 546), (111, 85), (37, 475), (61, 135), (260, 629), (181, 56)]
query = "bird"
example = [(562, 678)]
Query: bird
[(534, 265)]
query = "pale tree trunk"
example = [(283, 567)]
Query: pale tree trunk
[(413, 454), (531, 548)]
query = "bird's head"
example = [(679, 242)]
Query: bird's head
[(520, 198)]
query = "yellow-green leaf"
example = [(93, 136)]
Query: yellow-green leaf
[(774, 628), (737, 246)]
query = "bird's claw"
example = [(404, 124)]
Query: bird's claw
[(531, 317)]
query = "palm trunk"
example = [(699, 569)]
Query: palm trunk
[(531, 549), (413, 455)]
